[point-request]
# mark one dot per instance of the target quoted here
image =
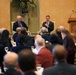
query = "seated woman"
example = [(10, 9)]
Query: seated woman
[(5, 40), (69, 45)]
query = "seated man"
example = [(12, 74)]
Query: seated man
[(61, 67), (10, 62), (44, 56), (19, 23), (27, 62)]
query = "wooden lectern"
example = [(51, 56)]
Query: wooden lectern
[(72, 25)]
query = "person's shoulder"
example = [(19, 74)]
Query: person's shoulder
[(15, 22), (51, 22), (72, 67), (44, 51), (49, 70)]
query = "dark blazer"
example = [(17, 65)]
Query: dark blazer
[(15, 25), (14, 36), (11, 72), (62, 68), (70, 46), (51, 26), (45, 36), (18, 48), (44, 58), (28, 41), (30, 73)]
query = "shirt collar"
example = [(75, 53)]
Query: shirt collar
[(39, 48)]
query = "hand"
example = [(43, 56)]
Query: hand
[(46, 25)]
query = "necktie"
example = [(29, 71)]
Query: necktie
[(20, 24)]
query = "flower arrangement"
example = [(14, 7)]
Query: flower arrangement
[(23, 5)]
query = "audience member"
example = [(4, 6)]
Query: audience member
[(44, 33), (44, 56), (19, 23), (58, 33), (61, 67), (5, 40), (28, 40), (69, 45), (53, 39), (18, 32), (10, 62), (21, 45), (27, 62), (2, 53)]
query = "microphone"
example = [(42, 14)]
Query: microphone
[(73, 11)]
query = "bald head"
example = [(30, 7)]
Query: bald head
[(39, 42), (38, 36), (19, 18), (10, 59), (61, 28), (60, 53)]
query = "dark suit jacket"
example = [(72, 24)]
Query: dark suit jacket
[(28, 41), (18, 48), (11, 72), (51, 26), (30, 73), (16, 25), (44, 58), (62, 68), (45, 36)]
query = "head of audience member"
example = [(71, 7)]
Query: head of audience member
[(60, 53), (22, 39), (39, 42), (24, 31), (43, 30), (19, 18), (10, 60), (65, 33), (48, 18), (38, 36), (27, 61), (18, 30), (61, 28), (58, 32), (53, 39), (5, 35)]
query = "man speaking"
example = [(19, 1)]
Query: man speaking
[(19, 23), (48, 24)]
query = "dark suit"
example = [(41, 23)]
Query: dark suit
[(70, 46), (16, 24), (18, 48), (44, 58), (45, 36), (30, 73), (51, 26), (11, 72), (62, 68), (28, 41)]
